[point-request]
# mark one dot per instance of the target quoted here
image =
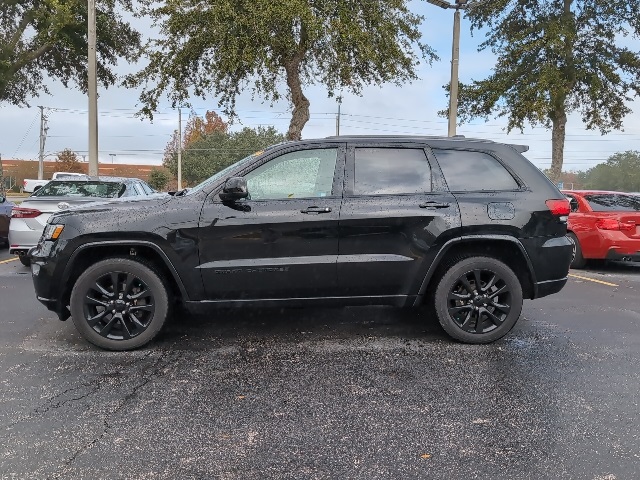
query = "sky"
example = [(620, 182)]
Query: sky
[(388, 110)]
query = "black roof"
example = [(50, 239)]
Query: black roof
[(414, 138)]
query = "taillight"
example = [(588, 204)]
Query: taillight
[(613, 224), (24, 183), (559, 207), (18, 212)]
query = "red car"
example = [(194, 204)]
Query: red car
[(603, 226)]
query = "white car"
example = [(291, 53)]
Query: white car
[(30, 217)]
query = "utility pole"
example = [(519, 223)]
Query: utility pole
[(455, 60), (92, 90), (338, 116), (43, 139), (179, 149)]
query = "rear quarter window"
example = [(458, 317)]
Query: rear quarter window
[(613, 203), (468, 171)]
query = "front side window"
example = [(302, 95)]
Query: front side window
[(468, 171), (301, 174), (389, 171)]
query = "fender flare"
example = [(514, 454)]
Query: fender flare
[(127, 243), (470, 239)]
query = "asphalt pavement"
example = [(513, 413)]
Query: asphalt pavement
[(358, 393)]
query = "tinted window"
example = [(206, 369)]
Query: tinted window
[(467, 171), (613, 202), (302, 174), (147, 189), (384, 171), (69, 188)]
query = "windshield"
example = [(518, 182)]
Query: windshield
[(221, 174), (80, 188), (613, 203)]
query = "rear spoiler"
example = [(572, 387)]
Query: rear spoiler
[(519, 148)]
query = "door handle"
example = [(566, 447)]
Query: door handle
[(434, 205), (315, 209)]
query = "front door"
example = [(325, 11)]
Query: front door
[(282, 241)]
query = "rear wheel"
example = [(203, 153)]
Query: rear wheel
[(25, 260), (119, 304), (478, 300), (578, 260)]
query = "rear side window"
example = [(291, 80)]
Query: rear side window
[(388, 171), (613, 203), (467, 171)]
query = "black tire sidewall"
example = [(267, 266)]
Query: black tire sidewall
[(578, 260), (451, 275), (24, 260), (145, 273)]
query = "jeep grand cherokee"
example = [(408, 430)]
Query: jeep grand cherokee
[(466, 227)]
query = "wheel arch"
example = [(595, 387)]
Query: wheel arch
[(144, 251), (505, 248)]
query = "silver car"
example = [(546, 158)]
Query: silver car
[(30, 217)]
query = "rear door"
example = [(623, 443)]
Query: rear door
[(395, 211)]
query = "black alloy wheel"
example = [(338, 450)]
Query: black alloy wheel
[(119, 304), (478, 300), (578, 260)]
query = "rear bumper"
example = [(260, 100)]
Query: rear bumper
[(22, 237), (550, 258), (617, 254)]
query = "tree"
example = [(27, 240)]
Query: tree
[(555, 57), (621, 172), (218, 150), (222, 46), (67, 161), (195, 129), (158, 179), (42, 39)]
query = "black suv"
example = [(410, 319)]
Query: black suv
[(466, 227)]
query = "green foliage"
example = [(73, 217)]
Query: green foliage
[(158, 179), (221, 47), (218, 150), (555, 57), (42, 39), (621, 172)]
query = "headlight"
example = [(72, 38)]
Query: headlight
[(52, 232)]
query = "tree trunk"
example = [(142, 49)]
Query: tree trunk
[(300, 114), (559, 122)]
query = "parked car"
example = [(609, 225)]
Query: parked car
[(465, 227), (603, 226), (31, 185), (29, 219), (5, 217)]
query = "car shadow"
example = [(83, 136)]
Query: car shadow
[(614, 267), (230, 326)]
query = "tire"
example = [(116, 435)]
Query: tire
[(24, 260), (477, 316), (578, 260), (140, 303)]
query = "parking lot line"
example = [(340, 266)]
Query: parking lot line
[(593, 280), (10, 260)]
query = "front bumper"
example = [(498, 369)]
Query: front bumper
[(48, 291)]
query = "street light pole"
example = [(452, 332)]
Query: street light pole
[(92, 89), (453, 89), (455, 60)]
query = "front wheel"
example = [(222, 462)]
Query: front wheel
[(119, 304), (478, 300), (25, 260)]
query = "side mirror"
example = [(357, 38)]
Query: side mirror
[(2, 198), (234, 189)]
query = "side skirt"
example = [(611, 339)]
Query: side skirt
[(394, 300)]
